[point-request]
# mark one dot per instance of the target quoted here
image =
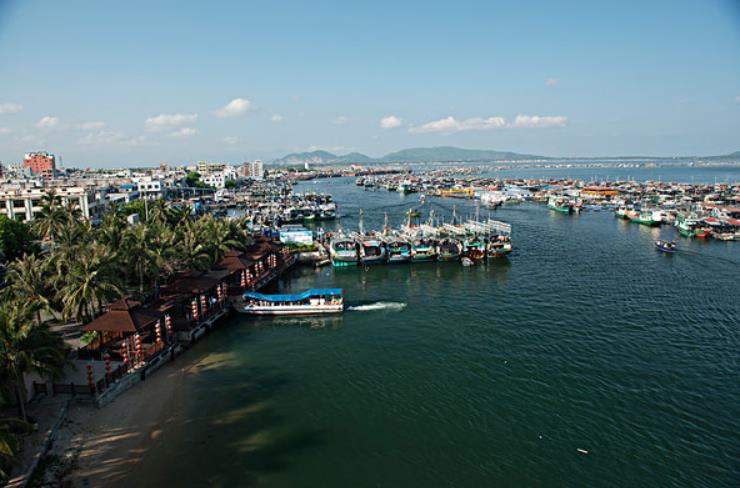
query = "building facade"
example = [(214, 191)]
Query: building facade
[(25, 203), (40, 164)]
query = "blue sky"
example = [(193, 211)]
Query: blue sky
[(121, 83)]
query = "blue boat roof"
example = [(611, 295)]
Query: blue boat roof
[(295, 297)]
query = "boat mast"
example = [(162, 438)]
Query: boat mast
[(362, 222), (385, 224)]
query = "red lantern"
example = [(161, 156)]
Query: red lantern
[(168, 323), (90, 381), (243, 276), (137, 347), (158, 333), (219, 295), (194, 308), (203, 303), (124, 352)]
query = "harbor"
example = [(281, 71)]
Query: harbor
[(531, 356)]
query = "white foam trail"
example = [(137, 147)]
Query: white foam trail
[(395, 306)]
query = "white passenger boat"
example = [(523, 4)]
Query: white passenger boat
[(315, 301)]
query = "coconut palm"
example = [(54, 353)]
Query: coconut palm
[(88, 282), (191, 252), (25, 347), (138, 253), (51, 217), (217, 237), (28, 282)]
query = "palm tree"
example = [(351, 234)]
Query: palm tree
[(51, 217), (28, 282), (88, 282), (191, 252), (138, 252), (216, 235), (26, 347)]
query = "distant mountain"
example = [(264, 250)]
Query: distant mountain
[(323, 157), (418, 154), (449, 153), (725, 157)]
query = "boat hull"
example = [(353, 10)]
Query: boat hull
[(291, 310)]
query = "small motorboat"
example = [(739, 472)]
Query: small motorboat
[(665, 246)]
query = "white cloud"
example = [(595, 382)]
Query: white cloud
[(277, 118), (237, 106), (451, 124), (47, 122), (341, 120), (166, 121), (92, 125), (552, 82), (184, 132), (10, 108), (390, 122), (30, 139), (532, 121), (4, 131), (100, 138), (230, 140)]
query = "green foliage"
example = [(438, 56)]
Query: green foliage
[(16, 238), (230, 184), (88, 337), (193, 180)]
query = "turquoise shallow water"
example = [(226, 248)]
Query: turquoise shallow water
[(586, 338)]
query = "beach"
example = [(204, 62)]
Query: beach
[(109, 442)]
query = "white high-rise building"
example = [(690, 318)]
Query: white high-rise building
[(256, 170)]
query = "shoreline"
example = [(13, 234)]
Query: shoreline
[(101, 446)]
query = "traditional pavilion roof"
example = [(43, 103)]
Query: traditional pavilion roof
[(124, 315), (235, 261), (192, 283)]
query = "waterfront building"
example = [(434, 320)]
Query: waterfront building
[(41, 164), (24, 203)]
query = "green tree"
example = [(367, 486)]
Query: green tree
[(16, 238), (29, 284), (25, 347)]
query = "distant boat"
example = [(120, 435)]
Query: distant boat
[(449, 249), (398, 250), (560, 204), (372, 250), (343, 251), (498, 246), (311, 302), (423, 249), (665, 246)]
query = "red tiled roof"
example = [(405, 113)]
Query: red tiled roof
[(125, 315)]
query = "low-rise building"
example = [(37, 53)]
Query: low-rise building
[(25, 203)]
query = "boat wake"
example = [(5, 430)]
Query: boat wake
[(370, 307)]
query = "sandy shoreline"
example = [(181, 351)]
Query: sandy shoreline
[(103, 446)]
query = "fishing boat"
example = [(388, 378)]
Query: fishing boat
[(449, 249), (423, 249), (560, 204), (397, 249), (315, 301), (498, 246), (691, 227), (622, 212), (665, 246), (644, 217), (372, 250), (343, 251), (474, 248)]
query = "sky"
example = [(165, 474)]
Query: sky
[(142, 82)]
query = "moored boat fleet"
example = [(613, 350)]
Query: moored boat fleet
[(420, 243)]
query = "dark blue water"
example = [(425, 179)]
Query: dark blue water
[(439, 375)]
